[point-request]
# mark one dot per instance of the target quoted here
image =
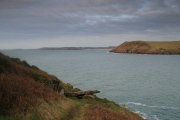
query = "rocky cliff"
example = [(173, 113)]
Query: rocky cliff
[(149, 47)]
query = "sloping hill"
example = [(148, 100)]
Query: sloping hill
[(32, 94), (149, 47), (23, 86)]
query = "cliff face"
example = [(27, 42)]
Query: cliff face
[(148, 47)]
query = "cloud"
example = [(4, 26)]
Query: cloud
[(31, 19)]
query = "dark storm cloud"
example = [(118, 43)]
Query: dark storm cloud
[(37, 18)]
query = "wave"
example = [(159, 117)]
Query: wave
[(143, 115), (144, 105)]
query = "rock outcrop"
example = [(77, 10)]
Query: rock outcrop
[(82, 94)]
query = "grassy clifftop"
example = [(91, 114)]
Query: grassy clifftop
[(29, 93), (149, 47)]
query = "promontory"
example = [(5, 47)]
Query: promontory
[(149, 47)]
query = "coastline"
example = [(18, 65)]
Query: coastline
[(72, 105)]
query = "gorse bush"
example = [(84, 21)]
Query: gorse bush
[(17, 60), (4, 63)]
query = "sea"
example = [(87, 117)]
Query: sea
[(148, 85)]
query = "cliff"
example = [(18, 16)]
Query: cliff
[(149, 47), (27, 92)]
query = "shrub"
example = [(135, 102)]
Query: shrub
[(4, 62), (1, 69)]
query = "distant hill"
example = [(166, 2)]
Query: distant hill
[(149, 47), (75, 48)]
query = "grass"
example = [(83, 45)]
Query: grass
[(149, 47), (165, 44), (103, 109), (55, 109), (78, 109)]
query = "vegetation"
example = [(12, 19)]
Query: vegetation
[(28, 93), (149, 47)]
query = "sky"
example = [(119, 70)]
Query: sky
[(86, 23)]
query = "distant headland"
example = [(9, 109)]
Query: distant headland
[(75, 48), (149, 47)]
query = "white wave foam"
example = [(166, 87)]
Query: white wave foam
[(143, 115), (144, 105), (146, 116), (155, 117), (134, 103)]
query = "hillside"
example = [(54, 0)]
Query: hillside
[(149, 47), (29, 93)]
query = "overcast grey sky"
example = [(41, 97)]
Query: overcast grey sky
[(57, 23)]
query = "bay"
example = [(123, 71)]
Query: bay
[(146, 84)]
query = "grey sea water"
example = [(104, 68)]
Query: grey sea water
[(149, 85)]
